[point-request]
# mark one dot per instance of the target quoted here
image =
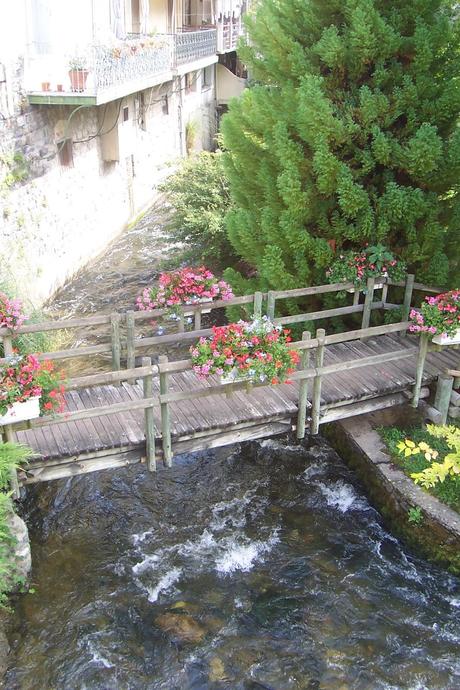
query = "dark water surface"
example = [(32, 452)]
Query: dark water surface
[(248, 568), (255, 567)]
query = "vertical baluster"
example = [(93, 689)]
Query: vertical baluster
[(165, 418), (258, 305), (303, 389), (149, 421), (130, 340), (421, 357), (316, 397), (356, 295), (407, 299), (115, 338), (368, 303), (271, 305), (181, 324), (197, 319)]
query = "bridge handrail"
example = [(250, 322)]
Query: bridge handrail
[(132, 343)]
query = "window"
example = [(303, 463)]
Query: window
[(125, 113), (65, 152), (190, 82), (165, 105), (207, 77)]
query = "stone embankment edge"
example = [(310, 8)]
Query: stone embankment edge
[(437, 536)]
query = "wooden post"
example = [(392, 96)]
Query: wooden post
[(165, 419), (181, 324), (368, 303), (130, 344), (303, 390), (407, 299), (197, 320), (316, 398), (8, 345), (258, 305), (115, 337), (271, 305), (149, 422), (443, 393), (11, 438), (356, 295), (421, 357), (384, 293)]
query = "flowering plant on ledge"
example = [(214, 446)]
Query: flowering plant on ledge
[(257, 350), (24, 377), (181, 287), (438, 316), (370, 262), (11, 314)]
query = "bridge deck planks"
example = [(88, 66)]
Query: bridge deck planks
[(218, 413)]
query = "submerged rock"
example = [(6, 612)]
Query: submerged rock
[(181, 627), (216, 669)]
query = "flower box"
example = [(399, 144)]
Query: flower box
[(22, 411), (184, 287), (377, 286), (234, 376), (444, 339)]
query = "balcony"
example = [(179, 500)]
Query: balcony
[(111, 72), (228, 33), (193, 45)]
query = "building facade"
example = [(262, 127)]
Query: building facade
[(96, 102)]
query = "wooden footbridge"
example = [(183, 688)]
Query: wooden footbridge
[(152, 411)]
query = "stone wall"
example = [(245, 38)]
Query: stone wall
[(57, 213)]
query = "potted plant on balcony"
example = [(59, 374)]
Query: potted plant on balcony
[(184, 286), (11, 315), (28, 388), (256, 351), (439, 317), (371, 262), (78, 73)]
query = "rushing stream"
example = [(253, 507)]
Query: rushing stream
[(247, 568)]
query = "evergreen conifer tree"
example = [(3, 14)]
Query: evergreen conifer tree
[(350, 134)]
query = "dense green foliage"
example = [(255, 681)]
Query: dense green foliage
[(448, 490), (198, 196), (12, 456), (350, 133)]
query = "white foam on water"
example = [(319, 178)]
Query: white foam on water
[(96, 656), (314, 469), (342, 496), (455, 602), (233, 513), (242, 556), (141, 537), (165, 583)]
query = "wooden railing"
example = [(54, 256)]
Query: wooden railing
[(165, 368), (124, 340)]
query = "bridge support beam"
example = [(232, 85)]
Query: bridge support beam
[(443, 393), (303, 390), (316, 399), (149, 421)]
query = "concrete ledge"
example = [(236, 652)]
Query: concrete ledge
[(437, 537)]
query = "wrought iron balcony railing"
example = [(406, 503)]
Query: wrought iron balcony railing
[(195, 45), (112, 71)]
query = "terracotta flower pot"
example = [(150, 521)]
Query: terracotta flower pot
[(78, 79)]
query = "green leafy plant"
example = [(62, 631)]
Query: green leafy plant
[(349, 134), (12, 456), (450, 466), (198, 199), (371, 262), (415, 515)]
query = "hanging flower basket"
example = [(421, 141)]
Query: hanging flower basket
[(184, 287), (26, 383), (22, 411), (371, 262), (255, 351), (439, 317)]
